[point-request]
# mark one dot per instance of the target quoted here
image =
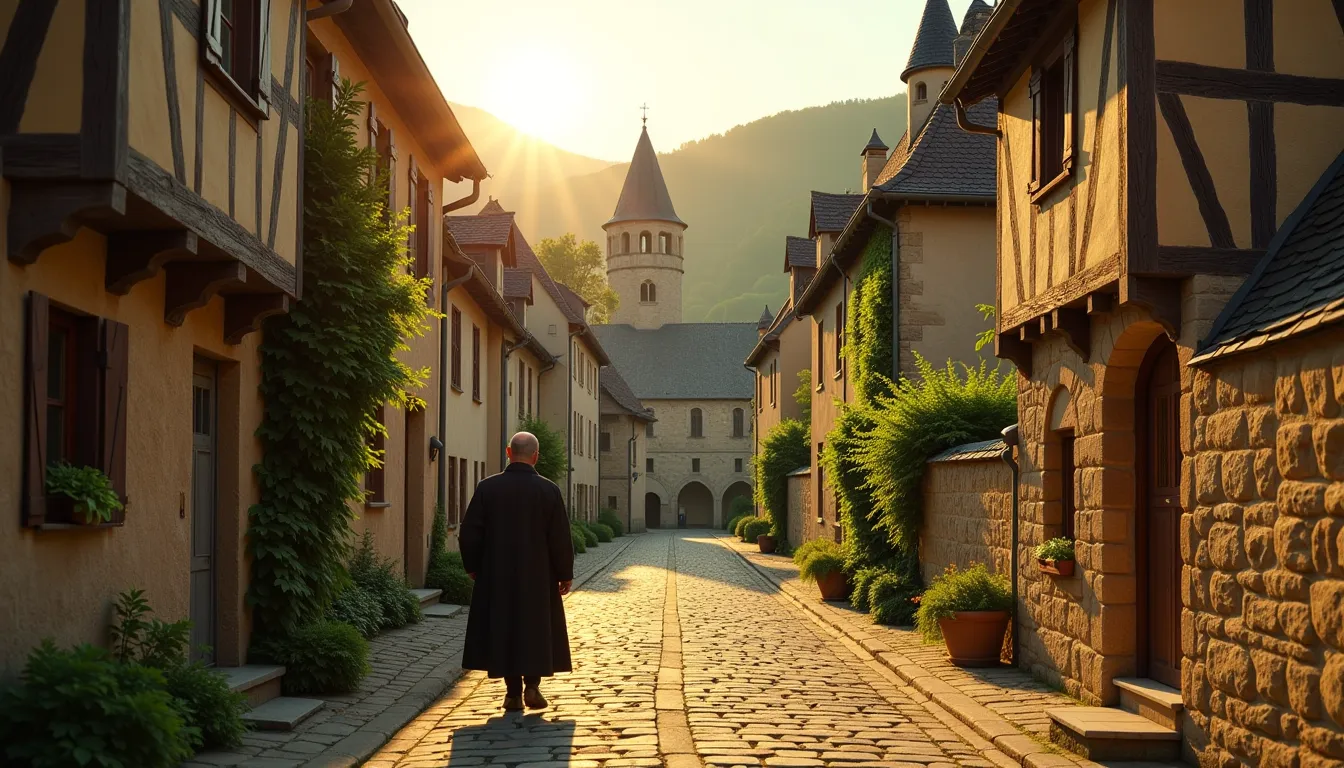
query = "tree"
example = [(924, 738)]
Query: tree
[(552, 461), (580, 266), (803, 397), (985, 337)]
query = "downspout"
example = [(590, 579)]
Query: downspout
[(464, 202), (895, 292), (965, 124), (1010, 437), (569, 427), (630, 470), (330, 8), (756, 433), (504, 395), (443, 382)]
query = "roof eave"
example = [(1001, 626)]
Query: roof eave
[(625, 219)]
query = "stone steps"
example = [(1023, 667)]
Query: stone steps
[(441, 611), (427, 597), (259, 682), (1108, 733), (282, 713), (1159, 703)]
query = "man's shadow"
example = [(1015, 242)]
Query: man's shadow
[(513, 738)]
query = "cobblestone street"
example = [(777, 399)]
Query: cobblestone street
[(708, 667)]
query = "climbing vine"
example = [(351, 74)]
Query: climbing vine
[(326, 367), (783, 449)]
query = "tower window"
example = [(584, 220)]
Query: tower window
[(921, 92), (645, 242), (625, 242), (739, 422), (664, 242), (697, 423), (648, 292)]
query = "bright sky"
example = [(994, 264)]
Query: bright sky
[(575, 72)]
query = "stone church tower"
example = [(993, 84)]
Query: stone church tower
[(644, 235)]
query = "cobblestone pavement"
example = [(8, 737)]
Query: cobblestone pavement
[(708, 667)]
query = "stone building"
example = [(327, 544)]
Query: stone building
[(689, 375), (1147, 165), (623, 443)]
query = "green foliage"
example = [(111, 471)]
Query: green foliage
[(731, 524), (865, 544), (327, 365), (83, 707), (447, 573), (610, 518), (741, 505), (579, 535), (356, 607), (891, 598), (324, 657), (139, 640), (974, 589), (859, 582), (819, 558), (582, 267), (755, 527), (553, 459), (812, 547), (589, 535), (602, 531), (783, 449), (803, 396), (377, 577), (88, 487), (868, 341), (985, 337), (738, 528), (1055, 549), (206, 702)]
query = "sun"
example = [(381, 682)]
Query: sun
[(537, 92)]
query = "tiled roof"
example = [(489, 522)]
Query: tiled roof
[(481, 229), (766, 320), (1299, 283), (799, 252), (875, 142), (943, 159), (572, 298), (831, 212), (933, 40), (683, 361), (613, 384), (518, 284), (976, 15), (981, 451), (644, 195), (527, 260)]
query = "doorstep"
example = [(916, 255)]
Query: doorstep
[(1158, 702), (427, 597), (1110, 733), (282, 713), (441, 611), (259, 682)]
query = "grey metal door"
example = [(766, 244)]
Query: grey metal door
[(203, 512)]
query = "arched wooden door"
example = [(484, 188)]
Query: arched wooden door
[(652, 507), (1159, 515)]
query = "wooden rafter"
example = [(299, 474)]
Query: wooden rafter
[(244, 312), (43, 214), (191, 285), (135, 256)]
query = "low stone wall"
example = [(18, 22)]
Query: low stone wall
[(968, 506), (800, 504)]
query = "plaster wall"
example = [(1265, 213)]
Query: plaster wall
[(673, 449), (829, 392), (918, 110), (618, 465), (468, 435), (945, 260), (967, 516), (585, 455)]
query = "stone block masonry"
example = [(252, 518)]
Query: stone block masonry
[(967, 514)]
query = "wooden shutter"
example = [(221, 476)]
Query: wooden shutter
[(1070, 94), (391, 173), (430, 219), (116, 367), (263, 84), (333, 78), (373, 126), (213, 25), (462, 486), (35, 454), (452, 491), (412, 249), (1037, 113), (475, 362)]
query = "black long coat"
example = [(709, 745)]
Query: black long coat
[(516, 539)]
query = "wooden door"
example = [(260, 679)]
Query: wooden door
[(652, 507), (1159, 520), (204, 406)]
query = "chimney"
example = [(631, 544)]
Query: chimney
[(874, 158)]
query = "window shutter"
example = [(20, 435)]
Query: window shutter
[(373, 126), (116, 366), (1037, 105), (333, 77), (453, 518), (429, 232), (1070, 99), (391, 173), (213, 23), (263, 84), (35, 457), (462, 488), (412, 198)]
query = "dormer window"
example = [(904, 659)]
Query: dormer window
[(921, 92), (1052, 89), (645, 242)]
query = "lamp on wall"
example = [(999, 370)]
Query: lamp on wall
[(435, 445), (634, 477)]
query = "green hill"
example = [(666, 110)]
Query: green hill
[(741, 192)]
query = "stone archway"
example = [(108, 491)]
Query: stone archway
[(653, 507), (738, 490), (696, 502)]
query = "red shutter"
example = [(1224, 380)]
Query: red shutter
[(35, 456), (1037, 107), (116, 366)]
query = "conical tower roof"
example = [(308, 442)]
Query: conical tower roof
[(767, 319), (875, 142), (644, 196), (975, 17), (933, 41)]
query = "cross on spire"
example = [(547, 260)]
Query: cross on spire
[(645, 109)]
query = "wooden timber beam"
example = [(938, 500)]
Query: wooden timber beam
[(1077, 330), (43, 214), (191, 285), (243, 313), (1008, 347), (1160, 296), (136, 256)]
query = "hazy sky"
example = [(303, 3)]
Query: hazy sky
[(575, 72)]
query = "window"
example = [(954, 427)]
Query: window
[(737, 465), (739, 422), (760, 402), (625, 242), (375, 485), (457, 349), (821, 356), (648, 425), (1066, 472), (522, 375), (774, 378), (648, 292), (606, 442), (648, 465), (454, 515), (475, 363), (381, 139), (529, 391), (645, 242), (1052, 89), (921, 92), (840, 338), (695, 465), (820, 492), (611, 503), (422, 207), (237, 49), (76, 381), (664, 242), (462, 487), (697, 423)]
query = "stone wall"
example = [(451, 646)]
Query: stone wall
[(968, 506), (1263, 586), (673, 451), (800, 506)]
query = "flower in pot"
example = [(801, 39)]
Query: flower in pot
[(823, 562), (89, 490), (1056, 557), (969, 610), (759, 531)]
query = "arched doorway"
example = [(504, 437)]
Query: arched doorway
[(738, 490), (652, 509), (1157, 529), (697, 503)]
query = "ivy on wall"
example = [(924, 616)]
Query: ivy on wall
[(783, 449), (326, 367)]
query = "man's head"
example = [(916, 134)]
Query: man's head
[(524, 448)]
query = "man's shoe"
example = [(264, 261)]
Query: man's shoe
[(513, 703), (534, 700)]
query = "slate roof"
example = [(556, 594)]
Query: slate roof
[(683, 361), (518, 284), (874, 142), (1299, 283), (770, 339), (981, 451), (831, 212), (482, 228), (933, 40), (976, 15), (526, 259), (615, 385), (799, 252), (766, 320), (943, 159), (644, 195)]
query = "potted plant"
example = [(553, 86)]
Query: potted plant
[(759, 530), (969, 610), (88, 489), (1056, 557), (822, 561)]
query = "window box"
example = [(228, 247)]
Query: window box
[(1062, 568)]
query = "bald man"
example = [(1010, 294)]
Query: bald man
[(516, 543)]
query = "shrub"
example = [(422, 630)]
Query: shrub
[(819, 558), (612, 520), (358, 608), (377, 577), (579, 536), (152, 642), (325, 657), (974, 589), (602, 531), (447, 573), (1055, 549), (783, 449), (741, 524), (755, 527), (87, 487), (805, 551), (552, 460), (890, 599), (741, 505), (859, 582), (82, 706), (589, 535), (207, 704), (803, 396), (730, 524)]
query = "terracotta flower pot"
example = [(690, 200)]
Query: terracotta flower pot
[(766, 542), (974, 638), (833, 586), (1056, 567)]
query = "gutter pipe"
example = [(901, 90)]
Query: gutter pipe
[(330, 8), (443, 382), (464, 202), (965, 124), (569, 428), (1010, 438), (630, 470), (895, 291), (504, 394)]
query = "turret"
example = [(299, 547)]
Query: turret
[(931, 63), (874, 157)]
